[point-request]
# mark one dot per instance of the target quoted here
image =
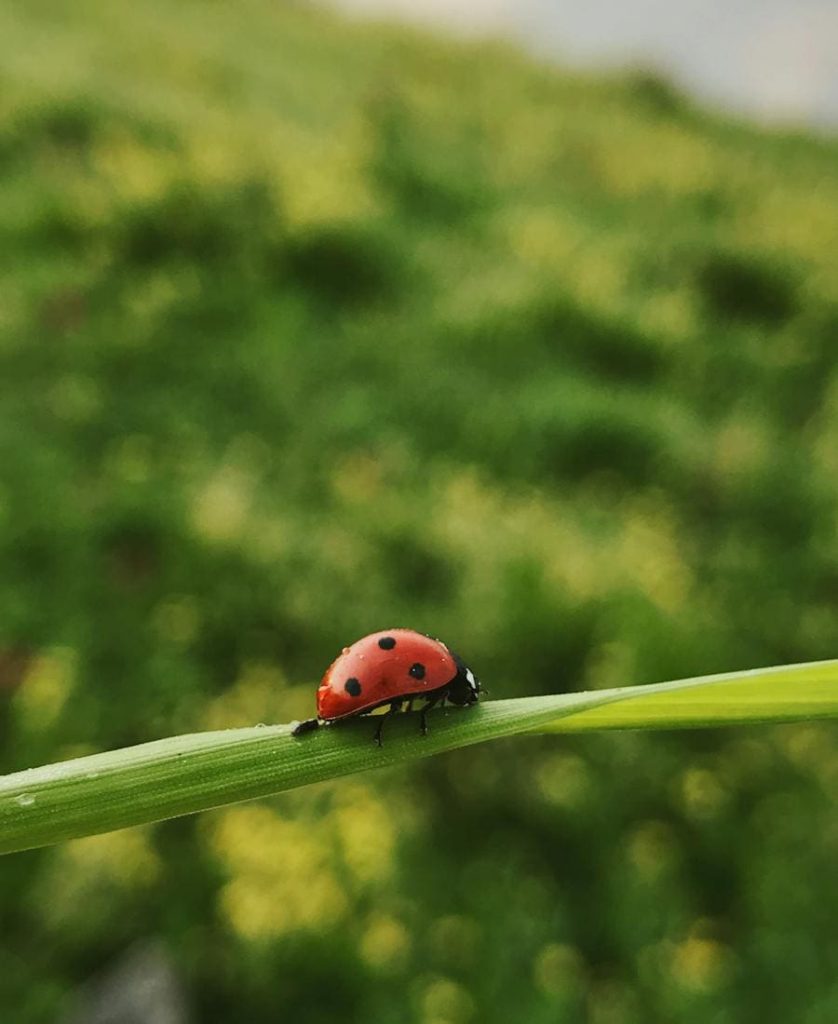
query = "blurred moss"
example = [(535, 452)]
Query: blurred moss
[(739, 287), (345, 266)]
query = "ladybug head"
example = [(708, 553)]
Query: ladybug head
[(465, 687)]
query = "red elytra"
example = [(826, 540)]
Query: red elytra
[(393, 666)]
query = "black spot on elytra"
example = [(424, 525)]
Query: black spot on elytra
[(352, 687), (387, 643), (417, 671)]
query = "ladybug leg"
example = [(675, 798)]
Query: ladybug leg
[(432, 702), (395, 706), (308, 726), (409, 707)]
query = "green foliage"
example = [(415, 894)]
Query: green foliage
[(562, 394), (184, 774), (736, 287)]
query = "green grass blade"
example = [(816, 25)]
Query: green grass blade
[(191, 773), (787, 693)]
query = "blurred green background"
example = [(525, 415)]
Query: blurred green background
[(310, 328)]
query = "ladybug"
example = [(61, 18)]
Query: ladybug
[(395, 667)]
